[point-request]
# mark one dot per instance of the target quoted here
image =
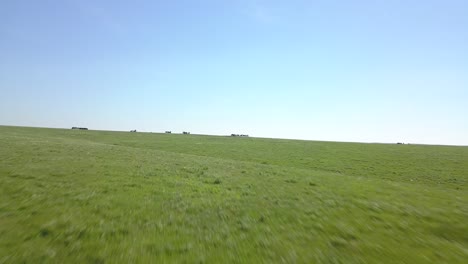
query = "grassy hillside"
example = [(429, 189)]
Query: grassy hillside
[(94, 196)]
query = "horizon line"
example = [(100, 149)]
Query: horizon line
[(249, 136)]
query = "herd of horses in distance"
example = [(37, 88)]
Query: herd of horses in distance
[(167, 132), (188, 133)]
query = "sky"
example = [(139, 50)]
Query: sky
[(361, 71)]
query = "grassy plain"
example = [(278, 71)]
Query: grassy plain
[(96, 197)]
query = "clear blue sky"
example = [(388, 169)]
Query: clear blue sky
[(370, 71)]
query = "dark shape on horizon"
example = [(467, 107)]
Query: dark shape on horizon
[(80, 128), (133, 130), (186, 133), (399, 143), (168, 132), (237, 135)]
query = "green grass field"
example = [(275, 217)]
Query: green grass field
[(96, 197)]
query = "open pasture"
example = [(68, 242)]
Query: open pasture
[(97, 196)]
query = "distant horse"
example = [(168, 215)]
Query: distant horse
[(80, 128)]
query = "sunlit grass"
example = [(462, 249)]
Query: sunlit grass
[(89, 196)]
